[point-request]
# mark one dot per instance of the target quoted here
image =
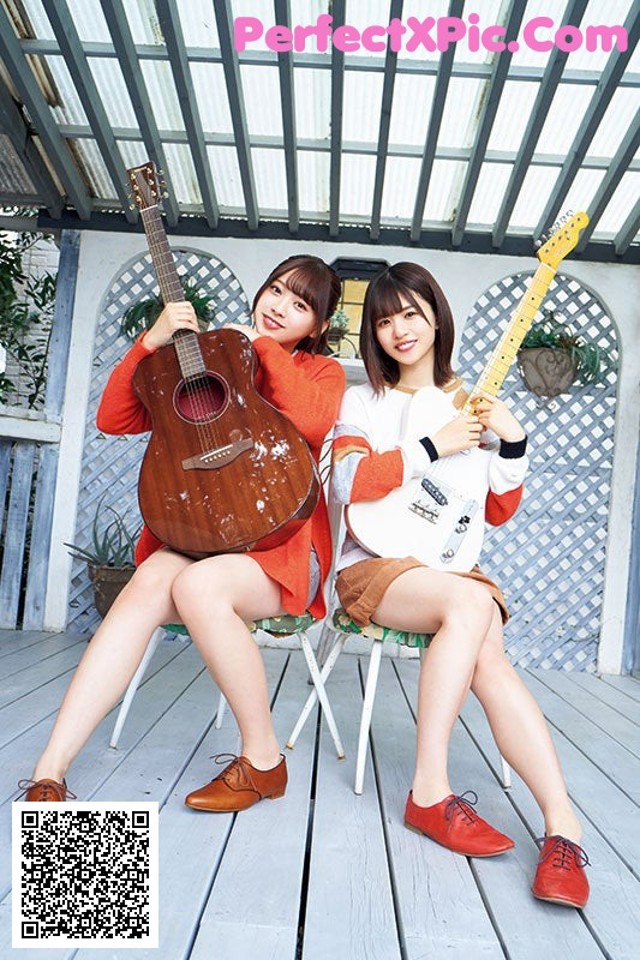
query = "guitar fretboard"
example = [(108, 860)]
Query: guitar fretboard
[(185, 341), (503, 355)]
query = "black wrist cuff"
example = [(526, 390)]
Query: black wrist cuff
[(429, 447), (513, 449)]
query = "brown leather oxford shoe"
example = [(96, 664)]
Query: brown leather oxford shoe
[(239, 786), (46, 791)]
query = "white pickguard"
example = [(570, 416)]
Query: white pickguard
[(428, 520)]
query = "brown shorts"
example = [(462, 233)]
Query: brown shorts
[(362, 586)]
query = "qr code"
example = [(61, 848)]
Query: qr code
[(85, 873)]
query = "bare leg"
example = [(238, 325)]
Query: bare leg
[(111, 659), (522, 734), (458, 612), (214, 598)]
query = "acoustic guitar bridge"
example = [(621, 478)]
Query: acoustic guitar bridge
[(219, 456)]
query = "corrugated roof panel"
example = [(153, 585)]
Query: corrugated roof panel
[(564, 117), (271, 179), (13, 175), (582, 190), (420, 10), (38, 19), (143, 22), (226, 176), (133, 152), (182, 173), (514, 112), (446, 181), (357, 182), (211, 97), (261, 89), (618, 118), (262, 10), (162, 93), (361, 107), (525, 56), (313, 103), (535, 191), (490, 12), (88, 20), (94, 170), (69, 109), (400, 185), (598, 12), (489, 193), (313, 181), (362, 15), (460, 114), (198, 22), (113, 91), (620, 205), (411, 108)]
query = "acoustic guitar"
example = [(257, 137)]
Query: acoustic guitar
[(439, 518), (224, 470)]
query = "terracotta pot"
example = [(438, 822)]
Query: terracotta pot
[(107, 584), (546, 372)]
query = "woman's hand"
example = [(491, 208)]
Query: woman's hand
[(462, 433), (175, 316), (248, 331), (495, 415)]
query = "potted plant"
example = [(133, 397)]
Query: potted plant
[(553, 355), (110, 562), (142, 314)]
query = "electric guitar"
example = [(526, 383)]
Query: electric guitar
[(439, 518), (224, 470)]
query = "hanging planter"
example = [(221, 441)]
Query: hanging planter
[(553, 356)]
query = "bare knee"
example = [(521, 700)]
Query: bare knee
[(198, 585), (470, 607), (491, 656)]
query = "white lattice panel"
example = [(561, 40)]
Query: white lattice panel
[(111, 464), (550, 558)]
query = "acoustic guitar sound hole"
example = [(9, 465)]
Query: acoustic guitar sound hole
[(201, 398)]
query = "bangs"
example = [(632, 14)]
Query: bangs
[(389, 296), (303, 281)]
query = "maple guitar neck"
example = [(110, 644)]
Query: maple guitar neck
[(503, 355)]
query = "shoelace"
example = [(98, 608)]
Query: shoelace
[(47, 789), (563, 850), (238, 771), (458, 804)]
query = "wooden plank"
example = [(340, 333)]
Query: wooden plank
[(350, 910), (23, 428), (15, 532), (192, 843), (628, 685), (608, 694), (13, 640), (612, 911), (41, 673), (434, 921), (624, 731), (34, 601), (526, 928), (50, 646), (256, 892), (620, 766)]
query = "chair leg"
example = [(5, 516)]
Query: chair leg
[(367, 711), (134, 683), (222, 703), (318, 684), (328, 666)]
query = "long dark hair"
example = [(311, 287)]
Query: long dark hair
[(384, 299), (317, 284)]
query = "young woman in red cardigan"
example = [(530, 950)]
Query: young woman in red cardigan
[(214, 597), (406, 341)]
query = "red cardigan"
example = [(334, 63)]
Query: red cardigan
[(308, 390)]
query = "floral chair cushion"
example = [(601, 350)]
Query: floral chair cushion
[(283, 625), (345, 624)]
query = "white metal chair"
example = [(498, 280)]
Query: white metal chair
[(285, 625), (344, 626)]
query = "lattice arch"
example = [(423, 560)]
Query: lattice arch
[(110, 465), (550, 558)]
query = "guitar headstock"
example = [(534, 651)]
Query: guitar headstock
[(146, 186), (563, 239)]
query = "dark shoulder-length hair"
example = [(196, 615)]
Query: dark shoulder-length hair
[(384, 299), (315, 282)]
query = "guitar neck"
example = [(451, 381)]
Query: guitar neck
[(163, 262), (503, 355)]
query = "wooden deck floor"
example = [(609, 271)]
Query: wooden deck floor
[(323, 874)]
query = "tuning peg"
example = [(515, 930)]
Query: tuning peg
[(132, 206)]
